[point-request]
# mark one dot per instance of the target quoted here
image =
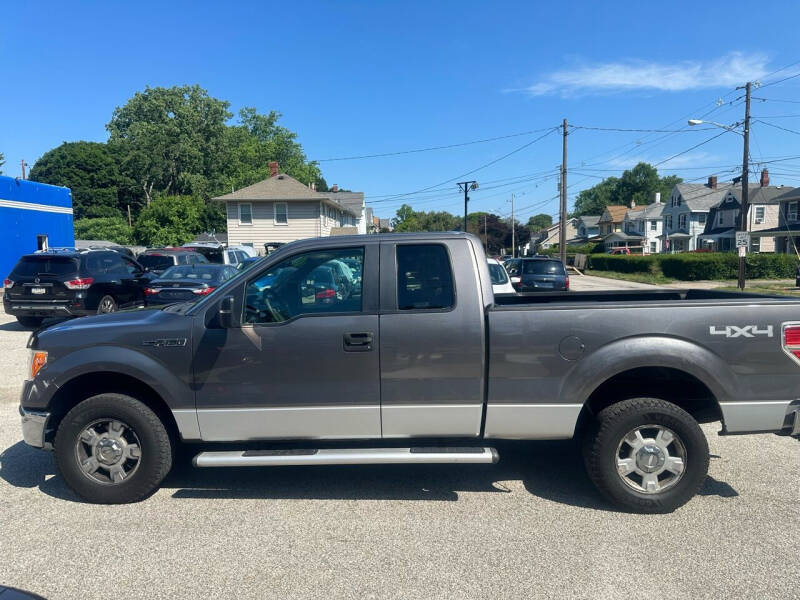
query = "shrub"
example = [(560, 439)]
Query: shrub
[(707, 265), (622, 263)]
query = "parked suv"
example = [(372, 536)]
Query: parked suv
[(159, 260), (72, 283), (538, 275)]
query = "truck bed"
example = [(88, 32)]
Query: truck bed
[(655, 296)]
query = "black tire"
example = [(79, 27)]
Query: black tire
[(107, 304), (602, 445), (30, 322), (155, 458)]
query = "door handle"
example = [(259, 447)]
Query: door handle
[(358, 342)]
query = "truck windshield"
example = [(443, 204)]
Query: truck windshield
[(543, 267), (30, 266), (156, 262)]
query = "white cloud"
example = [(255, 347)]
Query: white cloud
[(730, 70)]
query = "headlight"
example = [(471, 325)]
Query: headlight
[(37, 359)]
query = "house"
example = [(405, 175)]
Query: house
[(587, 228), (787, 231), (546, 238), (610, 222), (641, 229), (33, 216), (281, 209), (723, 219), (354, 202), (686, 213)]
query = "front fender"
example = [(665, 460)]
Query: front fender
[(650, 351), (109, 359)]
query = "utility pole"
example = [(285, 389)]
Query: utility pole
[(562, 230), (466, 186), (513, 230), (745, 183), (23, 164)]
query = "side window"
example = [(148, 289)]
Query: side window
[(113, 265), (131, 267), (424, 277), (232, 257), (240, 256), (322, 281)]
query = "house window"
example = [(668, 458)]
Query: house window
[(791, 211), (721, 219), (245, 213), (653, 246), (759, 216), (668, 222), (755, 244), (653, 225), (701, 219), (641, 225), (281, 213), (682, 221)]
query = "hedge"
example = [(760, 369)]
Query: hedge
[(695, 266)]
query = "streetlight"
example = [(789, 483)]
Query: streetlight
[(715, 124)]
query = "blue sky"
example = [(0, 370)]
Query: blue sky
[(360, 78)]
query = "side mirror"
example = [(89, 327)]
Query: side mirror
[(225, 312)]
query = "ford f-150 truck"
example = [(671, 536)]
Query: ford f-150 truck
[(392, 349)]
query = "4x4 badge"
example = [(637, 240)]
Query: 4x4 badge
[(734, 331)]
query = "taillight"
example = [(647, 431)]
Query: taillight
[(203, 291), (791, 340), (566, 283), (326, 294), (150, 291), (79, 284), (8, 284)]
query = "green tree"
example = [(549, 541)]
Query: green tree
[(594, 200), (539, 222), (169, 221), (169, 141), (89, 170), (113, 229)]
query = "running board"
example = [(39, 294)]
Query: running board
[(346, 456)]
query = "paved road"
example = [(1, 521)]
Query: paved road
[(530, 527), (588, 283)]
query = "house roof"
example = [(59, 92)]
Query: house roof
[(353, 201), (788, 194), (283, 188), (648, 211), (617, 214), (699, 197), (589, 220)]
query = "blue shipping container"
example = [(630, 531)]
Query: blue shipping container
[(28, 210)]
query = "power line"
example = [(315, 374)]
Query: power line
[(692, 148), (683, 130), (777, 126), (430, 148), (776, 100), (775, 116), (763, 85)]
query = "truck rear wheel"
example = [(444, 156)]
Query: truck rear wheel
[(112, 449), (647, 455)]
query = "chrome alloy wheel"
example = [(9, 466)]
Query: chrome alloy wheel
[(108, 451), (651, 459), (107, 305)]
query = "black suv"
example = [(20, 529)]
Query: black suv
[(73, 283)]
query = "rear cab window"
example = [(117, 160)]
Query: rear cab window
[(424, 277), (543, 267), (53, 266)]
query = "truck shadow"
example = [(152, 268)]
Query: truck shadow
[(549, 470)]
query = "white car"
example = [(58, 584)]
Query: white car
[(501, 284)]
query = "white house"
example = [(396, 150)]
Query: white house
[(686, 212), (645, 226), (281, 209)]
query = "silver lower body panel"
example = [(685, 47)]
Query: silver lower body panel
[(347, 456), (745, 417), (531, 421)]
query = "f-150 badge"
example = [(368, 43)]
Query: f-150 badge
[(734, 331)]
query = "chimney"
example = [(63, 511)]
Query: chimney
[(764, 178), (633, 203), (334, 188), (712, 182), (658, 198), (273, 168)]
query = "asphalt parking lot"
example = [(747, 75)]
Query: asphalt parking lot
[(530, 527)]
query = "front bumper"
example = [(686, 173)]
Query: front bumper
[(34, 424)]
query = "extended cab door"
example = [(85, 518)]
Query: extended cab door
[(303, 362), (432, 340)]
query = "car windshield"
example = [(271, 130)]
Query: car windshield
[(543, 267), (30, 266), (199, 273), (497, 274), (156, 262)]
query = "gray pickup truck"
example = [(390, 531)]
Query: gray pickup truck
[(392, 348)]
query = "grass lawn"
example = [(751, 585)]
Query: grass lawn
[(781, 289), (653, 278)]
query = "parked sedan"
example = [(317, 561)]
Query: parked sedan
[(501, 284), (542, 275), (187, 282)]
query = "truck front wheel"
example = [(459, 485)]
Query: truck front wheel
[(112, 449), (646, 455)]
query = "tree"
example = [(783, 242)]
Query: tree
[(89, 170), (169, 221), (113, 229), (539, 222), (638, 185), (169, 141), (2, 161)]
